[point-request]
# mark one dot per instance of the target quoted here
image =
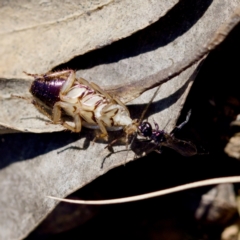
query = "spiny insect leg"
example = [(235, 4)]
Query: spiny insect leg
[(57, 116), (59, 74), (84, 82), (159, 151), (78, 124), (111, 143), (29, 99), (103, 129), (121, 104), (49, 75), (98, 89), (41, 109), (107, 95), (33, 75), (95, 87), (69, 83), (156, 125)]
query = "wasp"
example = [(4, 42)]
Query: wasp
[(86, 103), (161, 138)]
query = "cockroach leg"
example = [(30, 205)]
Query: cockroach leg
[(49, 76), (104, 133), (56, 117), (29, 99), (78, 123), (98, 89), (41, 109), (68, 84)]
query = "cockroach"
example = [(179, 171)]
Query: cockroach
[(161, 138), (62, 93)]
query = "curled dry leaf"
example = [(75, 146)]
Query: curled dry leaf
[(37, 36), (36, 165), (36, 41), (133, 84)]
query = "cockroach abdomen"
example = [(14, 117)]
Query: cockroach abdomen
[(47, 90)]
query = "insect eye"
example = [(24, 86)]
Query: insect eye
[(145, 129)]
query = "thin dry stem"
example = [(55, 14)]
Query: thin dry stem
[(234, 179)]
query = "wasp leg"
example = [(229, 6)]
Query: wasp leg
[(109, 146), (57, 116), (156, 125), (159, 151), (146, 150), (180, 126)]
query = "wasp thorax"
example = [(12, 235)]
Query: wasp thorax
[(158, 136)]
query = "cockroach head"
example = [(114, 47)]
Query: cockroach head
[(132, 128)]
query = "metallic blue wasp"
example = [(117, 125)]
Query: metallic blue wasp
[(161, 138)]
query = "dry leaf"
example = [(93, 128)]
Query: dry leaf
[(37, 36), (119, 62)]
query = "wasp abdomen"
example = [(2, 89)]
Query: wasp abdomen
[(47, 90)]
